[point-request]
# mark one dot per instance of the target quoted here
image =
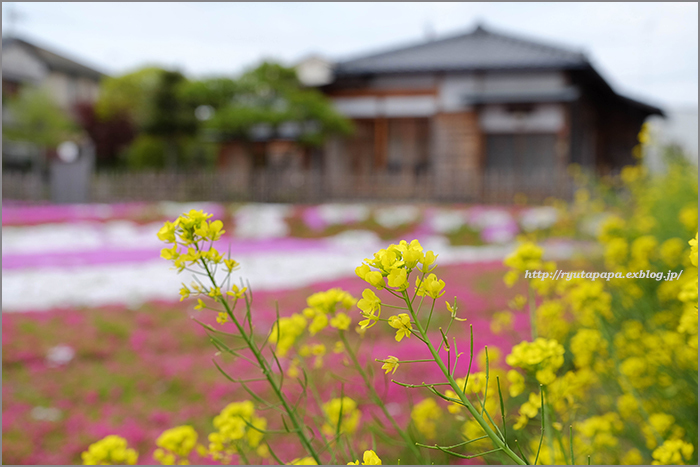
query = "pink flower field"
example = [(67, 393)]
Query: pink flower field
[(95, 341)]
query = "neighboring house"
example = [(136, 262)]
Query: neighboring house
[(67, 81), (476, 102)]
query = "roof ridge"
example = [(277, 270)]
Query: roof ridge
[(415, 45), (536, 42), (478, 30)]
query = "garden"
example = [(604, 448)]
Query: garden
[(213, 333)]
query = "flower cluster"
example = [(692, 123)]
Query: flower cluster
[(329, 307), (110, 450), (425, 415), (544, 356), (342, 416), (175, 445), (237, 426)]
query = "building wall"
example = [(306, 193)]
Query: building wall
[(69, 90), (455, 129), (456, 142)]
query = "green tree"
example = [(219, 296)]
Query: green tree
[(271, 95), (33, 116), (152, 99)]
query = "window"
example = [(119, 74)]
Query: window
[(520, 152)]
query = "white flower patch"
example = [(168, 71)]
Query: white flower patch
[(59, 355), (262, 221), (343, 213), (538, 218), (49, 414), (358, 239), (447, 221), (480, 219), (79, 236), (391, 217)]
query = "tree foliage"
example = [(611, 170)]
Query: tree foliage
[(33, 116), (269, 98)]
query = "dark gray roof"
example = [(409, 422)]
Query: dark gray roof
[(54, 61), (476, 50)]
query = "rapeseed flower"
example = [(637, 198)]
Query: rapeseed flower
[(368, 458), (425, 415), (402, 323), (175, 444), (110, 450), (342, 415), (391, 364)]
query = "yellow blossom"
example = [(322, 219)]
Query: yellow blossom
[(341, 321), (109, 450), (391, 364), (425, 415), (402, 323), (368, 458), (342, 415), (236, 292)]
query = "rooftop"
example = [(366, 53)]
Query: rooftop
[(54, 61), (476, 50)]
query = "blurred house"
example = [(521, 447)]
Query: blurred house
[(67, 81), (480, 101)]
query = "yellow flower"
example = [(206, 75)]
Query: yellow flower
[(200, 304), (318, 324), (518, 302), (236, 292), (368, 458), (169, 253), (215, 293), (430, 286), (167, 232), (402, 323), (178, 442), (222, 318), (517, 383), (428, 260), (398, 279), (391, 364), (286, 331), (672, 452), (369, 303), (342, 414), (670, 251), (304, 461), (694, 250), (502, 320), (341, 321), (231, 264), (374, 278), (110, 450), (528, 256), (184, 292), (544, 356), (425, 415)]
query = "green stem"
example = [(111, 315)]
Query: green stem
[(458, 390), (267, 371), (377, 400)]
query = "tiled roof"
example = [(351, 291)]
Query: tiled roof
[(477, 50)]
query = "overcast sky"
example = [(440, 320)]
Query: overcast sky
[(645, 50)]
